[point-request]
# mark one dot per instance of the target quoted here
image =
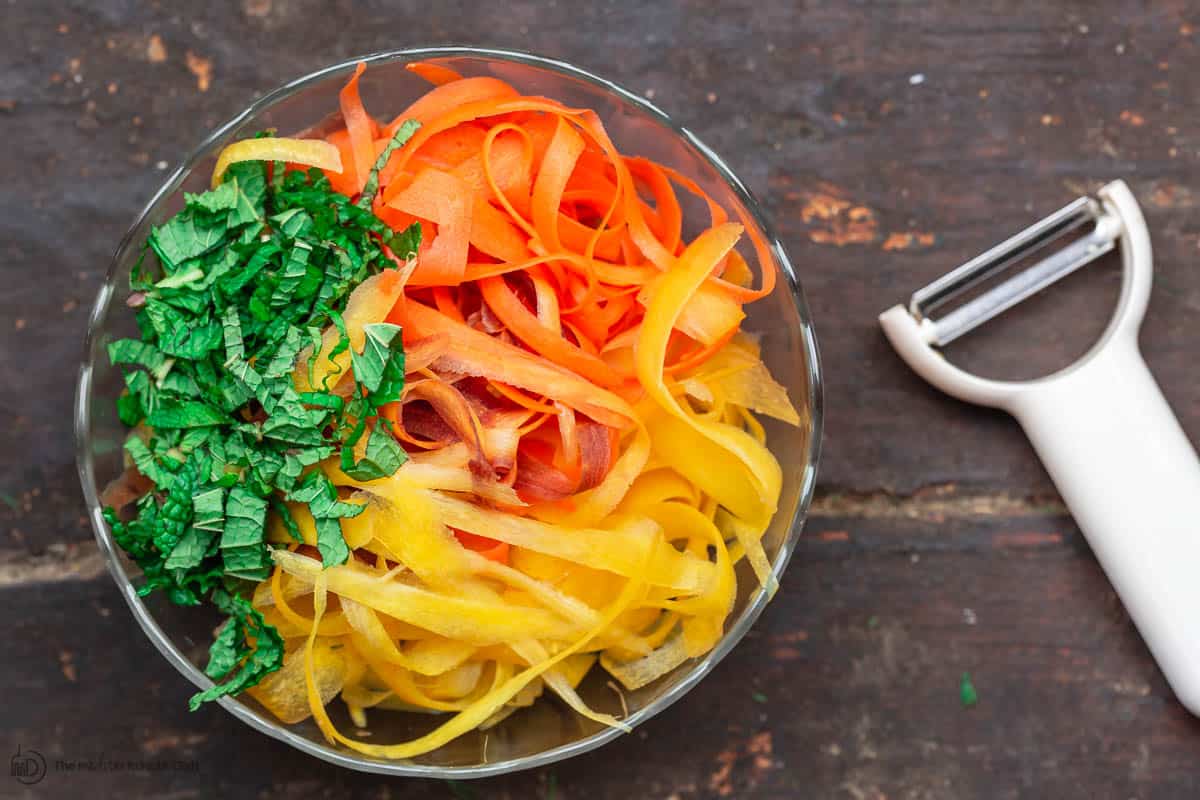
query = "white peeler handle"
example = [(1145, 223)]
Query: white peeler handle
[(1129, 475)]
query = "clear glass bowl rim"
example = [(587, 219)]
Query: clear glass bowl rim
[(348, 759)]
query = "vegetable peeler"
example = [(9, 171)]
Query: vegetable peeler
[(1101, 426)]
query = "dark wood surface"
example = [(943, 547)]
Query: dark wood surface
[(891, 142)]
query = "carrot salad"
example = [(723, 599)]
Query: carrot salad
[(567, 465)]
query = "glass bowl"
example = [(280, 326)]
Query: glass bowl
[(548, 731)]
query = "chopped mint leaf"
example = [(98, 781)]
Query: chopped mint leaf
[(222, 198), (226, 651), (407, 242), (232, 657), (187, 414), (289, 522), (245, 514), (294, 273), (284, 359), (399, 138), (315, 340), (185, 237), (383, 456), (343, 344), (251, 180), (143, 459), (129, 409), (382, 345), (179, 383), (321, 495), (966, 691), (239, 278), (292, 430), (181, 278), (231, 325), (209, 509), (293, 223), (240, 194), (191, 341), (188, 296), (251, 562), (131, 351), (189, 552), (330, 542)]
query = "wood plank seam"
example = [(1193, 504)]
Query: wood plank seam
[(932, 502), (82, 561), (60, 562)]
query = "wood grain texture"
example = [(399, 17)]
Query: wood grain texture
[(890, 142)]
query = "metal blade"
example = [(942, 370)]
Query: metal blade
[(1100, 240)]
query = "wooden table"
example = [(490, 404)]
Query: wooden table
[(890, 143)]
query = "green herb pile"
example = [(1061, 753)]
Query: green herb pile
[(248, 275)]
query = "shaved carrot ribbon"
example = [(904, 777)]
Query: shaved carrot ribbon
[(442, 198), (307, 152), (541, 338), (475, 353), (753, 492), (434, 73), (359, 126), (490, 549)]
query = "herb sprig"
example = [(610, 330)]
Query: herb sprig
[(248, 276)]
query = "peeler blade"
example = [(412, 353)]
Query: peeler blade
[(1100, 240)]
